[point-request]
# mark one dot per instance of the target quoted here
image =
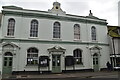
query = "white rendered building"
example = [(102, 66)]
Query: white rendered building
[(51, 41)]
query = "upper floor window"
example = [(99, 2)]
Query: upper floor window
[(56, 30), (11, 27), (32, 56), (34, 28), (76, 31), (93, 33), (77, 53)]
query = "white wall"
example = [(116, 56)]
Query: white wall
[(45, 31)]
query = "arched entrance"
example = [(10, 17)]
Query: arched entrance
[(56, 54), (7, 63), (95, 53), (96, 62)]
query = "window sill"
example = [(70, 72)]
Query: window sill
[(57, 39), (33, 38), (77, 40), (31, 65), (9, 36), (94, 41)]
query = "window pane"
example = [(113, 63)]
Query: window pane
[(56, 30), (5, 63), (11, 26), (10, 58), (32, 56), (58, 60), (76, 31), (5, 58), (10, 63), (34, 28), (93, 33), (78, 56)]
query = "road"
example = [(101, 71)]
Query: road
[(67, 79), (108, 75)]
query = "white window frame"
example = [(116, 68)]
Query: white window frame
[(32, 59), (77, 54), (76, 32), (11, 27), (34, 29), (93, 33), (56, 30)]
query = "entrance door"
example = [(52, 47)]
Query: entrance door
[(56, 63), (95, 62), (7, 64)]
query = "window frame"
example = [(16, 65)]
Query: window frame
[(76, 32), (57, 30), (32, 59), (93, 33), (77, 54), (11, 27), (34, 28)]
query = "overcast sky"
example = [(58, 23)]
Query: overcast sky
[(105, 9)]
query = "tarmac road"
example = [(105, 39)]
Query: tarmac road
[(103, 75), (67, 79)]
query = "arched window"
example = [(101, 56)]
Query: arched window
[(32, 56), (93, 33), (56, 30), (11, 27), (77, 54), (76, 31), (34, 28)]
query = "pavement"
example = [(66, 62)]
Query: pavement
[(101, 74)]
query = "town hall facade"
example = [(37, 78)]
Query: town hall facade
[(51, 41)]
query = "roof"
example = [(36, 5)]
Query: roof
[(52, 14), (12, 7)]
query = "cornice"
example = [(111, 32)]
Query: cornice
[(52, 42), (56, 17)]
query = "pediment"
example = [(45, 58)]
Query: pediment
[(95, 47), (56, 9), (57, 48), (12, 44)]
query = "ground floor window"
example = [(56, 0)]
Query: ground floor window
[(77, 53), (32, 56)]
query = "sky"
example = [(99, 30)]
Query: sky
[(103, 9)]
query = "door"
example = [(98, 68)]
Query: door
[(95, 62), (56, 63), (7, 64)]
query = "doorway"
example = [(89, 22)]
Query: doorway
[(96, 62), (56, 63), (7, 63)]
